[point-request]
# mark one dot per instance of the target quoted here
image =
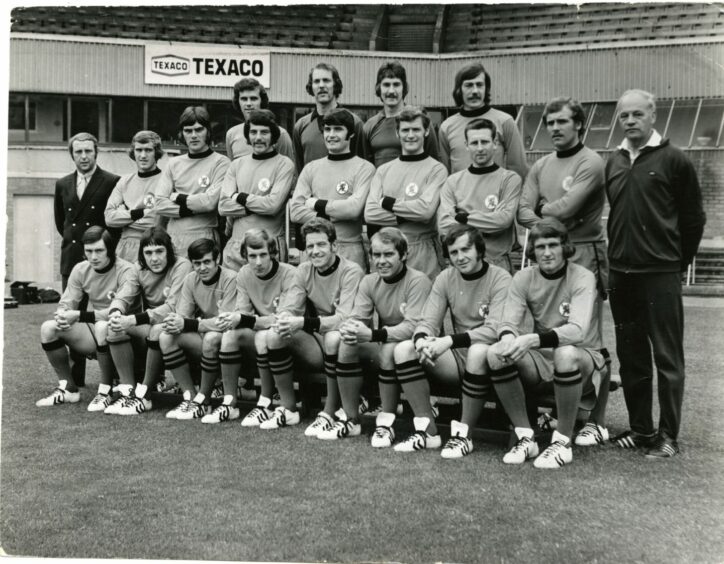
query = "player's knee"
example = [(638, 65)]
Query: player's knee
[(116, 336), (154, 333), (386, 356), (167, 341), (261, 339), (404, 352), (332, 341), (274, 340), (493, 358), (211, 343), (230, 341), (477, 357), (48, 331), (101, 331), (566, 358)]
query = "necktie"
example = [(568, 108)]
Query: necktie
[(82, 183)]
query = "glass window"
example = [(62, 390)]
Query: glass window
[(16, 115), (682, 122), (127, 119), (599, 126), (531, 120), (222, 118), (163, 119), (707, 127)]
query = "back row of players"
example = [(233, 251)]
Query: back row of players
[(208, 310)]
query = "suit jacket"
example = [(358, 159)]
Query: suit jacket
[(73, 216)]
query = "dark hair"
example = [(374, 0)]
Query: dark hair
[(82, 136), (549, 227), (481, 123), (411, 113), (201, 247), (337, 90), (319, 225), (256, 239), (192, 115), (97, 233), (146, 137), (392, 69), (557, 104), (265, 118), (466, 73), (394, 236), (340, 116), (156, 236), (474, 236), (249, 84)]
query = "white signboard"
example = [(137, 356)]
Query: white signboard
[(186, 65)]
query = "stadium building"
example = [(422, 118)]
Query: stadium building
[(115, 70)]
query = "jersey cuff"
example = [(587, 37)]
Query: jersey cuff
[(143, 318), (87, 316), (241, 198), (246, 322), (320, 206), (460, 340), (379, 335), (461, 217), (504, 333), (388, 202), (548, 339), (183, 210), (312, 324), (417, 336), (191, 326), (137, 213), (539, 209)]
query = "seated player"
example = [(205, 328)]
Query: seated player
[(256, 188), (336, 187), (156, 278), (194, 329), (397, 293), (405, 192), (260, 287), (483, 195), (131, 204), (560, 296), (99, 277), (473, 291), (327, 283)]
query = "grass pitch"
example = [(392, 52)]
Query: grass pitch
[(75, 484)]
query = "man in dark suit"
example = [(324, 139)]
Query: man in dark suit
[(80, 201)]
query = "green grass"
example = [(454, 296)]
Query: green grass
[(75, 484)]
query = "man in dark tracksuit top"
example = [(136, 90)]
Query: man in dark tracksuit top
[(654, 228)]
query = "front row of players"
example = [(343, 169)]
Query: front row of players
[(319, 317)]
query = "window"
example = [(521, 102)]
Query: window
[(163, 119), (16, 116), (127, 119), (709, 124), (531, 121), (682, 122), (85, 117), (599, 125)]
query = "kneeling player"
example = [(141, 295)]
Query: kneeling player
[(474, 292), (205, 292), (99, 276), (328, 283), (397, 294), (260, 286), (157, 278), (560, 296)]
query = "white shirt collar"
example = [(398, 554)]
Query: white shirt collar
[(654, 141)]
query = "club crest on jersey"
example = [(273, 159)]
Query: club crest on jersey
[(166, 291), (264, 185), (204, 182), (403, 308), (111, 295), (343, 188), (567, 183), (412, 190), (149, 200), (491, 201), (565, 309), (483, 311)]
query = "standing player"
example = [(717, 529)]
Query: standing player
[(99, 277), (483, 195), (563, 347), (336, 187), (474, 292), (188, 192), (261, 285), (568, 185), (382, 142), (654, 229), (250, 95), (325, 85), (256, 188), (472, 95), (131, 205), (207, 291), (405, 192), (80, 200), (397, 294), (157, 279), (326, 284)]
